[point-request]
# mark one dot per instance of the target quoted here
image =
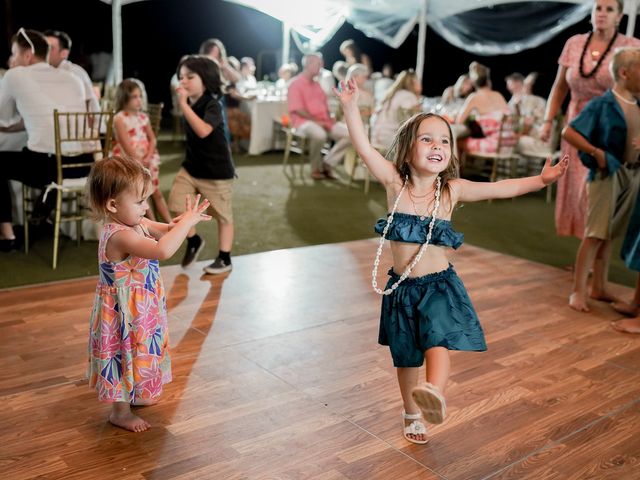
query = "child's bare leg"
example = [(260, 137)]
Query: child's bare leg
[(599, 288), (438, 367), (161, 205), (584, 260), (121, 416), (407, 380), (430, 397), (631, 309)]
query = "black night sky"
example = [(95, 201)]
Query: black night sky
[(156, 33)]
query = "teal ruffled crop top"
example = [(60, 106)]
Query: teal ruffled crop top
[(409, 228)]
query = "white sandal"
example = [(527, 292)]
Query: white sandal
[(431, 402), (416, 427)]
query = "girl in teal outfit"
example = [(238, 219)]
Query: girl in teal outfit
[(426, 310)]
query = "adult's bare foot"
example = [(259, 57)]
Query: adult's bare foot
[(604, 296), (628, 325), (629, 309), (578, 302)]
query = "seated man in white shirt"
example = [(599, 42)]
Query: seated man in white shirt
[(59, 49), (29, 93)]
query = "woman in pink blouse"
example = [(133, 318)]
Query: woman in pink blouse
[(583, 72)]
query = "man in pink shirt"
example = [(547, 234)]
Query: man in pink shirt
[(310, 117)]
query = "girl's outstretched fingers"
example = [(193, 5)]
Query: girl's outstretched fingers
[(551, 173), (203, 208)]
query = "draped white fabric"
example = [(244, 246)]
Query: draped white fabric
[(482, 27)]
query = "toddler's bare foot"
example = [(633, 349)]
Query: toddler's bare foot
[(628, 325), (629, 309), (129, 421), (604, 296), (578, 302)]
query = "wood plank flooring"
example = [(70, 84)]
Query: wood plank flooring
[(277, 375)]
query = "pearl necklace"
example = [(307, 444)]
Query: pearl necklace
[(423, 247), (628, 102)]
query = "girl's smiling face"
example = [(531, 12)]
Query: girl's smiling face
[(432, 150)]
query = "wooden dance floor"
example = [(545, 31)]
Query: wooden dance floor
[(277, 375)]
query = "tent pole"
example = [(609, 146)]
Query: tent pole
[(631, 17), (422, 36), (116, 22), (286, 42)]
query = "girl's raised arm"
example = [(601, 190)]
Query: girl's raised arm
[(468, 191), (379, 166)]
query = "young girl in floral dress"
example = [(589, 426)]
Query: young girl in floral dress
[(134, 138), (129, 344)]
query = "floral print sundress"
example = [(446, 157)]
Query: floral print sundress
[(129, 357)]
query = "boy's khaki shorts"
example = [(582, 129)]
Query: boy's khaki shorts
[(610, 202), (218, 192)]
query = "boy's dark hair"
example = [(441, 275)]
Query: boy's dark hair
[(63, 38), (207, 69)]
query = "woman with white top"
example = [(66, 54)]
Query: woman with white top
[(404, 94)]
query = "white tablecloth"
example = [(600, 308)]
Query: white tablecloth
[(263, 112)]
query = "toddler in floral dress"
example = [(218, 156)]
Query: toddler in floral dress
[(134, 138), (129, 358)]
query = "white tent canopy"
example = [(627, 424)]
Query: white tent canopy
[(467, 24)]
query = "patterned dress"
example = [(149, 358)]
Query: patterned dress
[(490, 123), (135, 124), (571, 200), (128, 343)]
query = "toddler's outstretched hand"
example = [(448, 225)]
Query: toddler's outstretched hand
[(193, 213), (347, 92), (550, 173)]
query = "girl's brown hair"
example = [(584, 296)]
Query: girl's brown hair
[(112, 176), (123, 93), (402, 147)]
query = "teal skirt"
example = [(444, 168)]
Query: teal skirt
[(426, 312)]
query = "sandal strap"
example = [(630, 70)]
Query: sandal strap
[(412, 416), (415, 428)]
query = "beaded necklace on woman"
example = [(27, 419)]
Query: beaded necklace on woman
[(601, 58), (423, 247)]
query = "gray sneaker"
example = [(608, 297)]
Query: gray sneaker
[(194, 247), (218, 266)]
